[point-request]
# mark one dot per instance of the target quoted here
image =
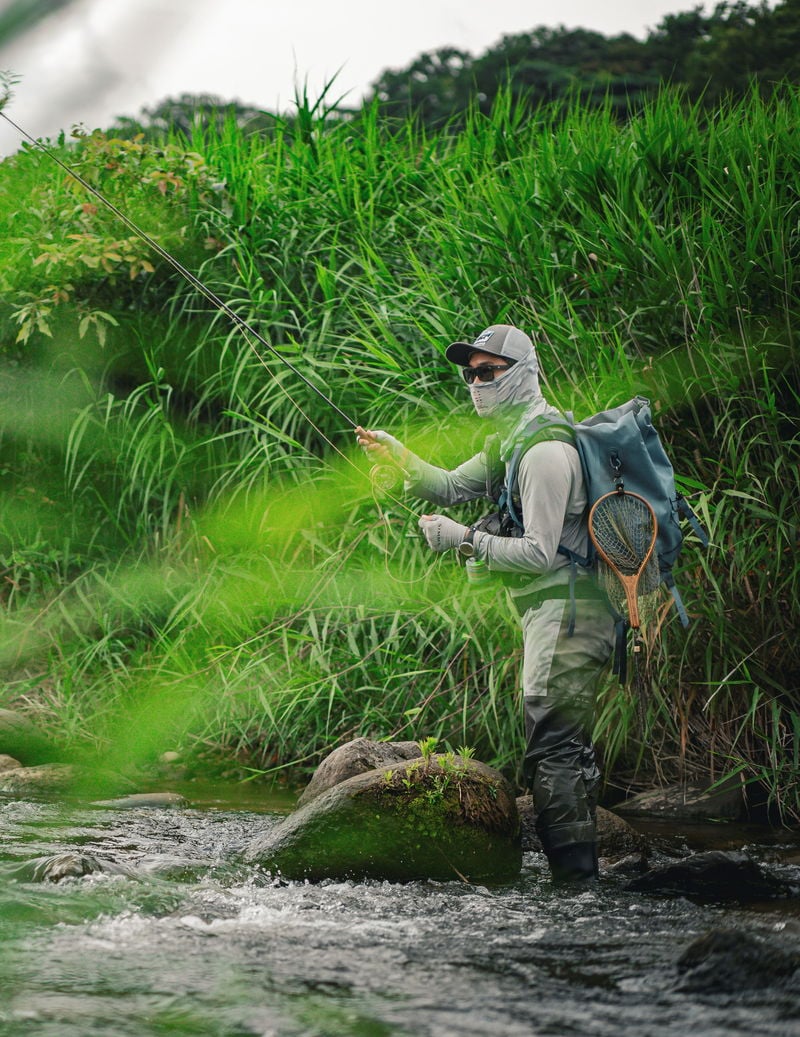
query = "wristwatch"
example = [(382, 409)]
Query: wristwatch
[(466, 548)]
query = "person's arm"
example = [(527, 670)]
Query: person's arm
[(446, 488), (552, 499), (437, 485)]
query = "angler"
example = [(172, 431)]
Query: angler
[(564, 657)]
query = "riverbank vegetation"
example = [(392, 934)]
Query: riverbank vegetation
[(194, 556)]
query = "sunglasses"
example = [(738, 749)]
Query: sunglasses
[(483, 372)]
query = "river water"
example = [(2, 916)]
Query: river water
[(177, 936)]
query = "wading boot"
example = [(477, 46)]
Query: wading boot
[(575, 863)]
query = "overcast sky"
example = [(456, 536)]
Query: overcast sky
[(102, 58)]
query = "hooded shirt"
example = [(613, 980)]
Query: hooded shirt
[(552, 490)]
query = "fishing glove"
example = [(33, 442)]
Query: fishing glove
[(394, 446), (401, 456), (441, 532)]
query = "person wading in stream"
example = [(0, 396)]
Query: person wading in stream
[(564, 655)]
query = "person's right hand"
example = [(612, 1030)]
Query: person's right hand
[(381, 445)]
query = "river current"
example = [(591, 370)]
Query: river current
[(175, 935)]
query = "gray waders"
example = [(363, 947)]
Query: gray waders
[(560, 680)]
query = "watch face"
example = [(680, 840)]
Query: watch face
[(466, 549)]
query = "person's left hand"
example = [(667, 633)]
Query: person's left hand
[(441, 532)]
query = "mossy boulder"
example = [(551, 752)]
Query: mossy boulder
[(440, 817)]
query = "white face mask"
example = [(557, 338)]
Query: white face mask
[(520, 384)]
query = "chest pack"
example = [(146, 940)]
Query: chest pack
[(617, 448)]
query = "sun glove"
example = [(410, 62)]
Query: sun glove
[(378, 443), (441, 532), (394, 446)]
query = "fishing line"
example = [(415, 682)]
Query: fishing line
[(213, 298), (182, 270)]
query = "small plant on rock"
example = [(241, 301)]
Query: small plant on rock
[(427, 747)]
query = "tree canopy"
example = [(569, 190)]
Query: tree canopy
[(709, 54), (724, 52)]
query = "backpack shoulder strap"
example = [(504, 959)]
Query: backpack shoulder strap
[(541, 429), (546, 427), (493, 464)]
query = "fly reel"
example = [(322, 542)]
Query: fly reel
[(386, 478)]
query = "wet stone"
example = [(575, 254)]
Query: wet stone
[(356, 757), (58, 779), (62, 866), (48, 779), (730, 960), (687, 803), (147, 800), (714, 875)]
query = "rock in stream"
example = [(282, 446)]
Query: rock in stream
[(443, 817)]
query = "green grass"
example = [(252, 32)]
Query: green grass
[(192, 551)]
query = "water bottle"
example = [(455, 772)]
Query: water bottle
[(477, 571)]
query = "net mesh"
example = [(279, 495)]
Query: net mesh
[(623, 527)]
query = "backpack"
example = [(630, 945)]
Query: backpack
[(617, 448)]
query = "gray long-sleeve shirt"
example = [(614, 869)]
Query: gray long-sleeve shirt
[(553, 503)]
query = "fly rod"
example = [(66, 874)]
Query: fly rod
[(178, 266)]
